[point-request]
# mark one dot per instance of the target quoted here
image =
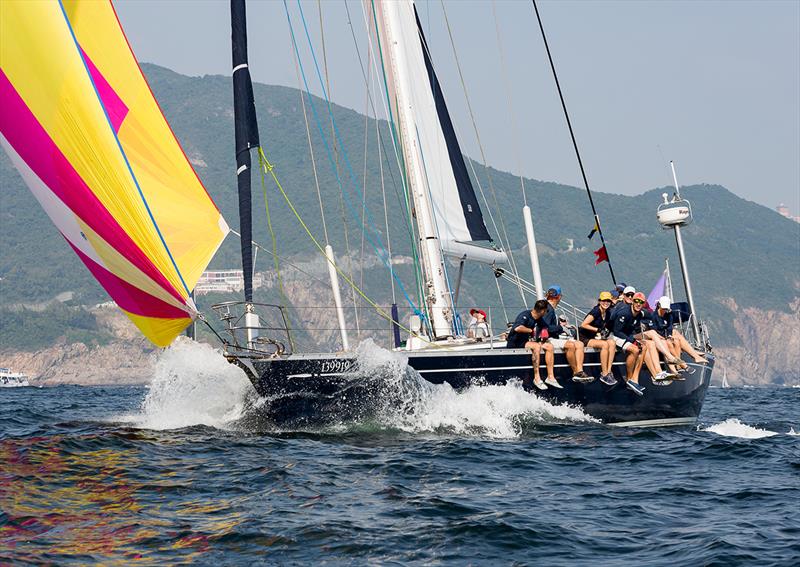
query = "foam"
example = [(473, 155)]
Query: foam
[(193, 384), (732, 427), (487, 411)]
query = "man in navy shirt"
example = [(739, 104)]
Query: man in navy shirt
[(530, 331), (573, 349), (626, 321)]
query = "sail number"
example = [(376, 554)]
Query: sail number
[(335, 366)]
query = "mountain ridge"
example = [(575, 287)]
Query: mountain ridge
[(736, 249)]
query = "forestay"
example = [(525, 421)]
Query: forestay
[(83, 128)]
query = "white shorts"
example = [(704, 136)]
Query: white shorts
[(622, 343), (560, 343)]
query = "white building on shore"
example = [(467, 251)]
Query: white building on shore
[(224, 281)]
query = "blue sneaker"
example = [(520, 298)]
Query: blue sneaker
[(608, 379), (634, 387)]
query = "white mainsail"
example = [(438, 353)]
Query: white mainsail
[(447, 211)]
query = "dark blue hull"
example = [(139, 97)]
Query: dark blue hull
[(312, 389)]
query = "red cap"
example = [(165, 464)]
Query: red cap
[(481, 311), (639, 295)]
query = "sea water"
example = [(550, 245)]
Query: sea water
[(183, 472)]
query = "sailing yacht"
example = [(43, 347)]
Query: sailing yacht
[(82, 127), (303, 387)]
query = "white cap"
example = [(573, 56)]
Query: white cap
[(664, 302), (629, 289)]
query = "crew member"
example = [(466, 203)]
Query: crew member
[(573, 349), (595, 332), (530, 331)]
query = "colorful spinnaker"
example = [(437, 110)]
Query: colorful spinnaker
[(81, 125)]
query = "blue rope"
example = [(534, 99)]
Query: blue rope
[(379, 250)]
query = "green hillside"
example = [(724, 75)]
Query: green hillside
[(735, 248)]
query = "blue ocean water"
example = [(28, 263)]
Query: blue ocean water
[(186, 472)]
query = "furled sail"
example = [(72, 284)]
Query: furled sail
[(81, 125), (458, 217)]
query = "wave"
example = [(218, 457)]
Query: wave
[(192, 384), (732, 427), (402, 400)]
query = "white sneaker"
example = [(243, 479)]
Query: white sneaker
[(554, 383), (541, 385), (661, 376)]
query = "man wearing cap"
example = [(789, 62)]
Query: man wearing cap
[(625, 324), (595, 332), (573, 349), (626, 298), (478, 328), (529, 331)]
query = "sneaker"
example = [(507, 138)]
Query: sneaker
[(539, 384), (634, 387), (662, 383), (662, 376), (554, 383), (582, 377), (688, 370), (608, 379)]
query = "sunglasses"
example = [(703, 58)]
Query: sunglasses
[(629, 294), (638, 302)]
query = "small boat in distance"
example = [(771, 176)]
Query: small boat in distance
[(9, 379), (725, 383)]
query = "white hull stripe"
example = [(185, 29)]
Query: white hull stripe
[(656, 422), (242, 66)]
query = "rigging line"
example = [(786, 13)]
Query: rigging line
[(364, 75), (269, 168), (509, 100), (500, 295), (311, 149), (378, 252), (287, 262), (483, 155), (276, 263), (348, 251), (574, 141), (385, 209), (395, 142)]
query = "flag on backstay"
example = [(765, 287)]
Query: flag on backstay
[(594, 229), (602, 255), (659, 290)]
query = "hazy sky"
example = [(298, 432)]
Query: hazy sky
[(713, 85)]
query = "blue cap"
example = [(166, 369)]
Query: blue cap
[(615, 294), (621, 286), (554, 290)]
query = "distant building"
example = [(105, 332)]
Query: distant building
[(783, 210), (224, 281)]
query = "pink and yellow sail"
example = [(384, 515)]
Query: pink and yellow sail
[(81, 125)]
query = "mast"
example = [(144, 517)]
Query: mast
[(437, 292), (246, 131), (682, 257)]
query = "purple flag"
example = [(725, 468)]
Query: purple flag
[(659, 290)]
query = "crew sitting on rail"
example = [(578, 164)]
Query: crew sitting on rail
[(595, 332), (659, 331), (478, 328), (625, 322), (573, 349), (677, 342), (530, 331)]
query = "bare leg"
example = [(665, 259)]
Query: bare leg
[(612, 351), (535, 351), (688, 348), (602, 346), (569, 352), (549, 360), (651, 358), (633, 363), (579, 352)]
